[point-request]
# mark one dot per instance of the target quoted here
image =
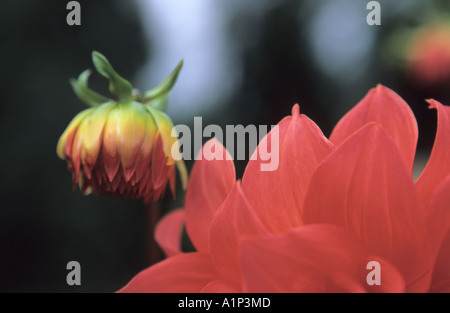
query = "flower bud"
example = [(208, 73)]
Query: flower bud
[(121, 148)]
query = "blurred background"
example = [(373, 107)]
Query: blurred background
[(246, 62)]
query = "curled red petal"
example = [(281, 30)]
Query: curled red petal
[(438, 166), (189, 272), (383, 106), (299, 145), (234, 221), (391, 279), (366, 187), (209, 185), (168, 232)]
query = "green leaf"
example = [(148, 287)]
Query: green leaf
[(160, 92), (87, 95), (118, 85)]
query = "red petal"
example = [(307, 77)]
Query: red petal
[(92, 135), (301, 147), (441, 272), (307, 259), (219, 286), (112, 164), (171, 179), (209, 184), (438, 166), (168, 232), (384, 106), (131, 128), (366, 187), (145, 182), (338, 283), (233, 221), (159, 173), (64, 146), (189, 272), (143, 160), (76, 157), (69, 143), (111, 157), (439, 226), (391, 280), (439, 215)]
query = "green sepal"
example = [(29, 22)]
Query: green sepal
[(158, 95), (160, 103), (118, 85), (87, 95)]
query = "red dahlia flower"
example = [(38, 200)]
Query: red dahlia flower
[(316, 223), (121, 148)]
